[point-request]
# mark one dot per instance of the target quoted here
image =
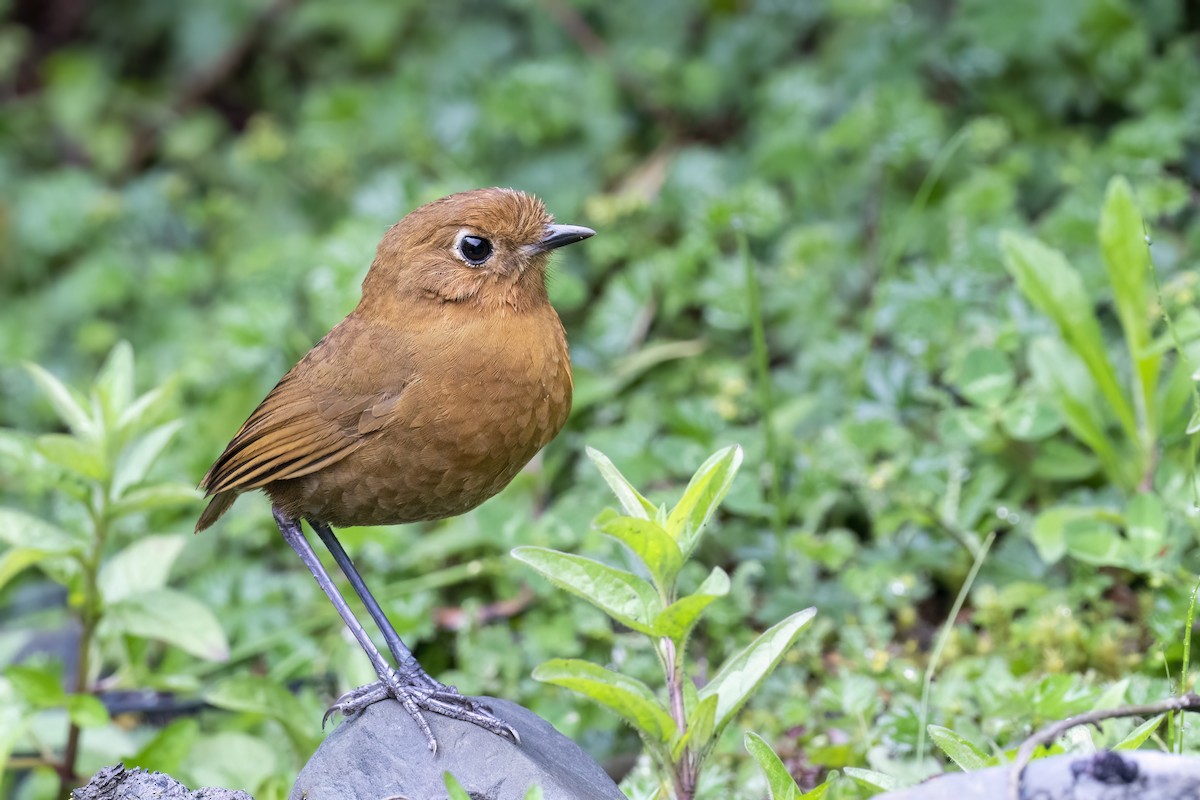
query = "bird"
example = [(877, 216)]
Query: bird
[(445, 380)]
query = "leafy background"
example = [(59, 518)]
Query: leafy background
[(207, 182)]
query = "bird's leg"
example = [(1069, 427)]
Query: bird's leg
[(406, 663), (443, 699), (414, 698), (294, 536)]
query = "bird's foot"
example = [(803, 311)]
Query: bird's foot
[(418, 698)]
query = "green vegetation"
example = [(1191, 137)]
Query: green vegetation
[(931, 266)]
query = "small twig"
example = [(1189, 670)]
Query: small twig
[(1186, 702)]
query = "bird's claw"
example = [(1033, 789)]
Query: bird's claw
[(444, 700)]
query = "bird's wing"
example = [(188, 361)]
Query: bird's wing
[(295, 431)]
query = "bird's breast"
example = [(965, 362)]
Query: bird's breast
[(482, 401)]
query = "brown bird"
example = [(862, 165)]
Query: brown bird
[(445, 380)]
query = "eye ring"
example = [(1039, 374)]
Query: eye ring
[(475, 250)]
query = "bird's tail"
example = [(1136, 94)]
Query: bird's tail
[(216, 507)]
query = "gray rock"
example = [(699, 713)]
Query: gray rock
[(1104, 776), (118, 783), (381, 753)]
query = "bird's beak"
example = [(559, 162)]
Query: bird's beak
[(562, 235)]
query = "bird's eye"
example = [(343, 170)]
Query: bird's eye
[(475, 249)]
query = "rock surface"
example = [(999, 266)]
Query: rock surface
[(381, 753), (1102, 776), (118, 783)]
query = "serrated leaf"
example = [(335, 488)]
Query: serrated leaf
[(676, 620), (141, 567), (960, 750), (651, 544), (135, 463), (703, 494), (628, 697), (77, 455), (779, 781), (630, 498), (87, 711), (68, 404), (172, 617), (622, 595), (742, 673)]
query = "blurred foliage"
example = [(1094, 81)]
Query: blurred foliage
[(207, 181)]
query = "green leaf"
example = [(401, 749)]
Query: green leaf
[(167, 750), (1138, 736), (16, 560), (1055, 288), (622, 595), (19, 529), (742, 673), (1146, 526), (172, 617), (453, 788), (1072, 388), (141, 567), (960, 749), (137, 459), (114, 382), (703, 494), (628, 697), (255, 694), (986, 377), (86, 711), (230, 759), (145, 406), (700, 720), (676, 620), (1028, 419), (870, 779), (534, 793), (40, 687), (67, 403), (650, 543), (1127, 258), (159, 495), (80, 456), (779, 781), (631, 500)]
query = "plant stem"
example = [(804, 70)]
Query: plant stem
[(943, 637), (683, 772), (766, 402), (90, 619)]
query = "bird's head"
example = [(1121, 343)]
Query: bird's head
[(487, 247)]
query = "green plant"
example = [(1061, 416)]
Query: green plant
[(780, 783), (680, 725), (100, 471), (1075, 372)]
